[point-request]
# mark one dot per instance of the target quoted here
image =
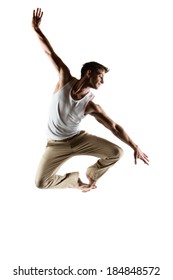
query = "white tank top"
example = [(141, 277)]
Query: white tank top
[(66, 113)]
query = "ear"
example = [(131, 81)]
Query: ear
[(88, 73)]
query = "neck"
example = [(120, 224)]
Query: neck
[(81, 87)]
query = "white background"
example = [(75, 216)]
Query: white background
[(127, 220)]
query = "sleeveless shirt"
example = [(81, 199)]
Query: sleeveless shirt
[(66, 113)]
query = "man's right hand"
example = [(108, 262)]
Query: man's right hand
[(36, 20), (139, 154)]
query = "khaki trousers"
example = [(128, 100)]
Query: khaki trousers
[(57, 152)]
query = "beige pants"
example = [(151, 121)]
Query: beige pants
[(57, 152)]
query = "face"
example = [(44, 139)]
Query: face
[(96, 78)]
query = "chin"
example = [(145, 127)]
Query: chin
[(97, 86)]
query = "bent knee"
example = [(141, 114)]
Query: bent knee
[(121, 152), (118, 152), (41, 184)]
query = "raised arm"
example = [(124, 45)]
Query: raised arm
[(64, 72), (99, 114)]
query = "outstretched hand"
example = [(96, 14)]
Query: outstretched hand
[(36, 20), (139, 154)]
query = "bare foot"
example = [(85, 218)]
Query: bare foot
[(91, 181), (90, 186), (85, 187)]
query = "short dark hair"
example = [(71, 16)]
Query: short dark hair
[(93, 66)]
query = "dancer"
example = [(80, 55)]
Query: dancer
[(72, 100)]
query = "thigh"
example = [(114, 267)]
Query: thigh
[(54, 156), (89, 144)]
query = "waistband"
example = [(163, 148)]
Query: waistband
[(69, 138)]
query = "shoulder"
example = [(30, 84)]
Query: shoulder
[(93, 108), (63, 82)]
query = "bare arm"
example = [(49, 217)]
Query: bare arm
[(99, 114), (64, 72)]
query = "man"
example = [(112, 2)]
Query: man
[(71, 102)]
